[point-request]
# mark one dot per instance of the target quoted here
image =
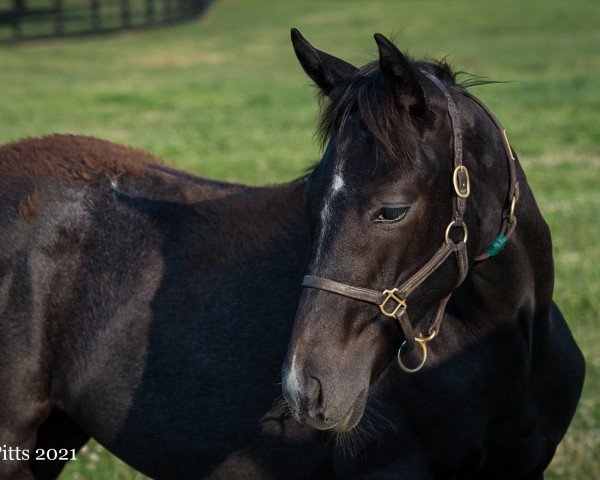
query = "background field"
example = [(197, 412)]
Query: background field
[(224, 97)]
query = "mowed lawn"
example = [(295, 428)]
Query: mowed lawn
[(224, 97)]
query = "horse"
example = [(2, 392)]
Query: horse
[(151, 310), (417, 256)]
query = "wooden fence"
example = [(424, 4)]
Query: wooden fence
[(55, 18)]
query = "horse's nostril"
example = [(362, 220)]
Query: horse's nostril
[(314, 394)]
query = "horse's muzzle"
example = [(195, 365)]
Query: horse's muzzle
[(307, 401)]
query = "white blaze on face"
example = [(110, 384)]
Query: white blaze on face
[(338, 182), (337, 185)]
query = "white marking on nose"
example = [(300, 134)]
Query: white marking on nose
[(291, 381)]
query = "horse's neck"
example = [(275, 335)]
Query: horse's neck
[(519, 280)]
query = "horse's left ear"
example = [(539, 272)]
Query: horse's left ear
[(325, 70), (400, 72)]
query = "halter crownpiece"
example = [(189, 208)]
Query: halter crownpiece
[(392, 303)]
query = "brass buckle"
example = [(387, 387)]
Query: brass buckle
[(457, 171), (391, 294)]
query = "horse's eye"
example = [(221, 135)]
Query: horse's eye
[(390, 214)]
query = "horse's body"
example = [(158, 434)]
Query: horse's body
[(151, 310)]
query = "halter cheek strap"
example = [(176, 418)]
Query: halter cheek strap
[(393, 303)]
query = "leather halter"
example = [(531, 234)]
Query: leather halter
[(393, 303)]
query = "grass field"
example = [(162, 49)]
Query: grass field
[(225, 98)]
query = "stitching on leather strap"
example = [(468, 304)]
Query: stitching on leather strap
[(357, 293)]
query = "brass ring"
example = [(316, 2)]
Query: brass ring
[(461, 168), (418, 367), (421, 341), (449, 227)]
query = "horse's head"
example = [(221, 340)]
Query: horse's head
[(381, 202)]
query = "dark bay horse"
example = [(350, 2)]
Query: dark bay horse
[(151, 309), (417, 255)]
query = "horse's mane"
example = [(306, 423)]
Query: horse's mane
[(368, 93)]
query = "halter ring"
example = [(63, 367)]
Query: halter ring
[(423, 343), (452, 224)]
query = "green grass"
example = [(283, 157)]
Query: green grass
[(224, 98)]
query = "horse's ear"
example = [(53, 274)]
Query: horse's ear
[(324, 69), (400, 72)]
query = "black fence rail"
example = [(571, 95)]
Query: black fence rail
[(32, 19)]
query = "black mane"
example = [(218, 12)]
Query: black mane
[(368, 93)]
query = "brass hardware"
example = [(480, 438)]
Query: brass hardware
[(449, 227), (428, 339), (508, 145), (423, 343), (511, 212), (391, 294), (457, 171)]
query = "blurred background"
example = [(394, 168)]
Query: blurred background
[(215, 89)]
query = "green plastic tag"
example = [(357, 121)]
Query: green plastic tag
[(497, 245)]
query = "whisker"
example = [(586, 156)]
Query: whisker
[(379, 419)]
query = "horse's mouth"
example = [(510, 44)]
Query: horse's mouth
[(354, 415), (348, 422)]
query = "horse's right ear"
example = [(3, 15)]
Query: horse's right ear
[(324, 69)]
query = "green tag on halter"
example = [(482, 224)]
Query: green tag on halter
[(497, 245)]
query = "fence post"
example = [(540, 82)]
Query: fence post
[(18, 10), (181, 10), (58, 19), (150, 12), (95, 15), (168, 11), (125, 14)]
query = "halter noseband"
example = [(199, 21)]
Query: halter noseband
[(392, 303)]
